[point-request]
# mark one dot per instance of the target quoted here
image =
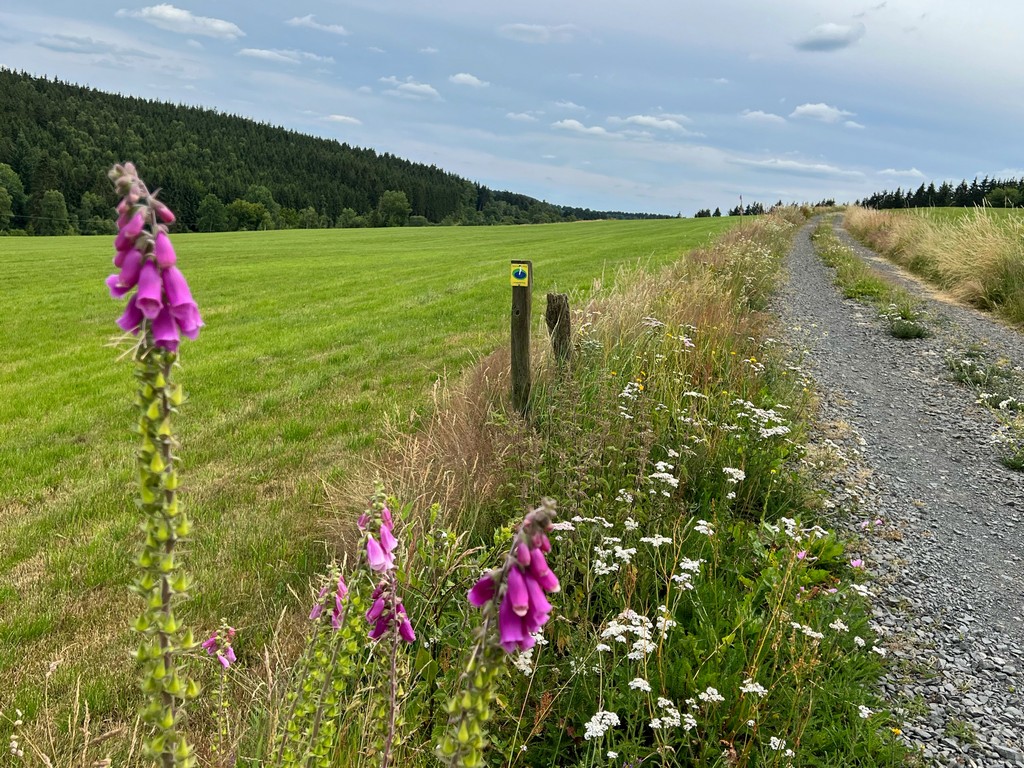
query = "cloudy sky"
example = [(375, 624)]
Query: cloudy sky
[(652, 105)]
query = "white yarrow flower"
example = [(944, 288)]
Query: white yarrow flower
[(710, 694), (599, 724), (749, 686), (639, 684)]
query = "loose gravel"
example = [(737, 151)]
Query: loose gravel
[(948, 557)]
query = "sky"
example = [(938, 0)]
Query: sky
[(661, 106)]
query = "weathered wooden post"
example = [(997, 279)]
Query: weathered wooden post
[(522, 303), (557, 318)]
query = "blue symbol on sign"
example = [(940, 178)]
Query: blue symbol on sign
[(519, 273)]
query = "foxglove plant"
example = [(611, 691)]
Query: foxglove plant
[(159, 311), (514, 604), (386, 614)]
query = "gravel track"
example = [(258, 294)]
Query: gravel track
[(948, 562)]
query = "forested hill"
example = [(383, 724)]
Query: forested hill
[(217, 171)]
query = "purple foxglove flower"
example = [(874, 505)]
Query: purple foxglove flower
[(376, 610), (183, 307), (150, 296), (540, 571), (516, 595), (132, 317), (387, 540), (363, 521), (165, 332), (379, 559), (210, 644), (336, 618), (483, 590), (131, 265), (165, 214), (380, 627), (385, 516), (538, 601), (511, 627), (164, 251), (134, 226), (119, 258), (523, 554), (406, 631), (116, 289), (541, 542), (318, 607), (224, 661)]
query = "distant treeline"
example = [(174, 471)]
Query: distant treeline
[(998, 193), (219, 172), (753, 209)]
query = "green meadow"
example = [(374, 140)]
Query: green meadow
[(313, 340)]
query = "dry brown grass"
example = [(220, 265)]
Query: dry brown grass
[(977, 258)]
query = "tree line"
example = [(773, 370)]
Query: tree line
[(219, 171), (997, 193)]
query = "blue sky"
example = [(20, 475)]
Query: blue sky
[(650, 105)]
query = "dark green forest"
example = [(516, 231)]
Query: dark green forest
[(218, 172), (997, 193)]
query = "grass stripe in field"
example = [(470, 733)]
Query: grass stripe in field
[(312, 337)]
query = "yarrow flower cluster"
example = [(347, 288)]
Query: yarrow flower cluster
[(162, 303), (600, 724)]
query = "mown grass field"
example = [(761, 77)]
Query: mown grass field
[(953, 215), (313, 338)]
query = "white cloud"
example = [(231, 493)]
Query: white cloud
[(523, 117), (910, 173), (166, 16), (343, 119), (777, 165), (410, 89), (194, 44), (720, 80), (758, 116), (650, 121), (822, 112), (428, 50), (830, 37), (568, 105), (284, 56), (463, 78), (854, 124), (538, 33), (310, 23), (578, 127)]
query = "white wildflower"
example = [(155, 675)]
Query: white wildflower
[(858, 641), (624, 496), (749, 686), (865, 712), (639, 684), (655, 541), (733, 475), (879, 650), (602, 647), (631, 524), (776, 744), (703, 526), (839, 626), (710, 694), (599, 724)]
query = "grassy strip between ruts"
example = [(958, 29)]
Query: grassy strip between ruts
[(705, 617), (976, 255), (900, 311)]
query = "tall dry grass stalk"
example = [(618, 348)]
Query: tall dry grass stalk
[(978, 257)]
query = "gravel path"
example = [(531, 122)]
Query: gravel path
[(948, 560)]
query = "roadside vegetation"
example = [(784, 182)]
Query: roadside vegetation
[(707, 616), (976, 256), (901, 312)]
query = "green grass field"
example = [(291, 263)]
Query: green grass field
[(954, 215), (312, 339)]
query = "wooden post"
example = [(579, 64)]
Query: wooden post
[(522, 303), (557, 318)]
